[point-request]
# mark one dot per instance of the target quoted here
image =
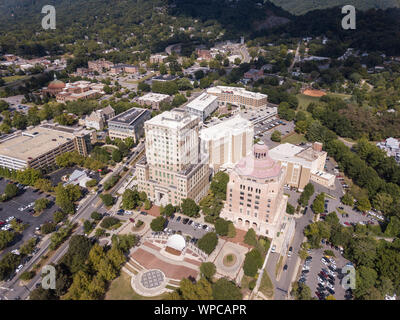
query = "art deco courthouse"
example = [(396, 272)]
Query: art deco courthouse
[(172, 170), (254, 197)]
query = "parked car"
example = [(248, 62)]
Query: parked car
[(185, 221), (285, 267), (19, 268), (273, 248), (143, 213), (178, 219)]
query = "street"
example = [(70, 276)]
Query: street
[(11, 290)]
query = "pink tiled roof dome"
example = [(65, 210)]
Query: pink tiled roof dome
[(259, 164)]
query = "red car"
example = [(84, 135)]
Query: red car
[(132, 220), (1, 223), (347, 224)]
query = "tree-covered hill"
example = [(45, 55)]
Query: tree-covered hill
[(138, 24), (299, 7)]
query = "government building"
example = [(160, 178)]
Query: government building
[(303, 164), (172, 170), (254, 197)]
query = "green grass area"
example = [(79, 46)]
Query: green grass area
[(266, 286), (13, 78), (304, 101), (120, 289), (294, 138), (343, 96), (245, 282)]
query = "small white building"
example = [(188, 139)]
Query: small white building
[(203, 105)]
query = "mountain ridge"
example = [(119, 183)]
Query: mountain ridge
[(302, 7)]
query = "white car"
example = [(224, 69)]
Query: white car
[(10, 218), (331, 273), (15, 251), (128, 212), (273, 248), (324, 262), (332, 261), (19, 268), (321, 281), (330, 286)]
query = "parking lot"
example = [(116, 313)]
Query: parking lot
[(55, 177), (11, 208), (187, 227), (324, 278)]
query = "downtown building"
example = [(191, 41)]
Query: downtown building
[(173, 169), (38, 147), (224, 144), (254, 197), (303, 164), (128, 124), (239, 97)]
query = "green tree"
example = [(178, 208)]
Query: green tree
[(251, 238), (41, 204), (222, 226), (363, 204), (223, 289), (11, 190), (252, 262), (208, 270), (208, 242), (158, 224), (107, 199), (276, 136), (347, 199), (117, 155), (190, 208)]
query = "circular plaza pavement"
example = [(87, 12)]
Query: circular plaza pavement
[(149, 282)]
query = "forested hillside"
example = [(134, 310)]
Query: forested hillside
[(299, 7), (137, 24)]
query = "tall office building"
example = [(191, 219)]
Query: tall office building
[(226, 143), (172, 169)]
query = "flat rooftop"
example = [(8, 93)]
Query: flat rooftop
[(154, 97), (236, 91), (229, 127), (292, 153), (202, 102), (175, 119), (129, 116), (33, 143)]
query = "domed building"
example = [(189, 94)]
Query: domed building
[(175, 244), (254, 197), (54, 87)]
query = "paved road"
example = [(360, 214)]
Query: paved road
[(13, 290), (282, 285)]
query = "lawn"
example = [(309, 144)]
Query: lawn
[(120, 289), (295, 138), (13, 78), (304, 101), (245, 283), (266, 286)]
